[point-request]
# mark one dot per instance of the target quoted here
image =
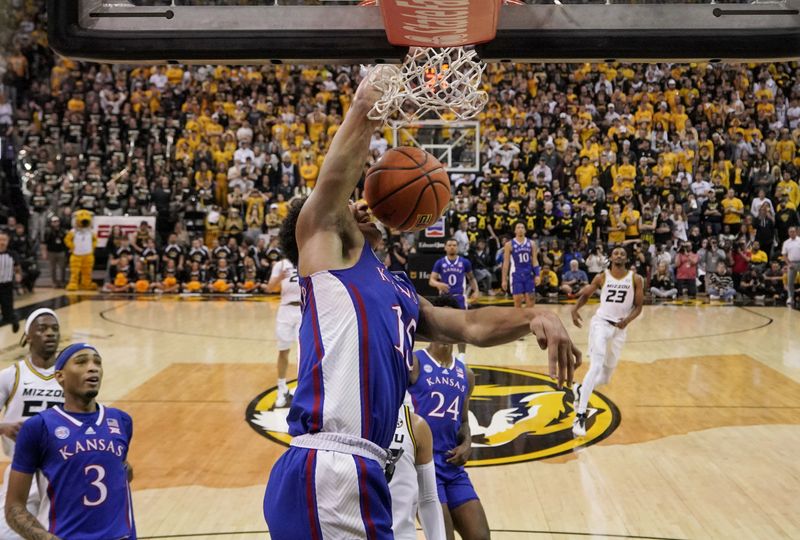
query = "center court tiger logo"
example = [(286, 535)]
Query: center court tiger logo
[(515, 415)]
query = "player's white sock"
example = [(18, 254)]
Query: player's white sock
[(282, 385)]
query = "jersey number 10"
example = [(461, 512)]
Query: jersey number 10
[(405, 332)]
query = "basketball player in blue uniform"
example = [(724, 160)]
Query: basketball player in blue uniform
[(440, 387), (520, 267), (78, 454), (359, 322), (450, 275)]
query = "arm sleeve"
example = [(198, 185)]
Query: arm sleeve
[(430, 509), (30, 446)]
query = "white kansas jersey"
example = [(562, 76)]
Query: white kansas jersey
[(290, 288), (616, 297), (403, 487), (27, 390)]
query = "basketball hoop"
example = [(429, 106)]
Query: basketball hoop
[(441, 82)]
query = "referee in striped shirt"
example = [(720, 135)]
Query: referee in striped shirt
[(9, 271)]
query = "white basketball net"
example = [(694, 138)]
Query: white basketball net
[(443, 82)]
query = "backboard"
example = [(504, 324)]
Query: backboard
[(457, 145), (336, 31)]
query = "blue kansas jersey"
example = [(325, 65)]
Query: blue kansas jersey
[(82, 457), (438, 396), (521, 258), (356, 342), (454, 273)]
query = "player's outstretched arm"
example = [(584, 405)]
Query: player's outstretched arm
[(584, 296), (327, 205), (491, 326), (17, 516), (430, 510)]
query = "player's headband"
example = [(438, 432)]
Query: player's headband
[(32, 317), (69, 352)]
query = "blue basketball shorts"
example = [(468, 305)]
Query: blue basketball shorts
[(453, 483), (522, 284), (319, 494)]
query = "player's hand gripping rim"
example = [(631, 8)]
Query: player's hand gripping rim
[(563, 357)]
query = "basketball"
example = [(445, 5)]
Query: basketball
[(407, 189)]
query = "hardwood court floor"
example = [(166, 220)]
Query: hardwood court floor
[(709, 399)]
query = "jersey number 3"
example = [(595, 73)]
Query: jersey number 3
[(616, 296), (98, 483)]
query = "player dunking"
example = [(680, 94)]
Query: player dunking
[(413, 480), (80, 450), (621, 300), (450, 275), (356, 342), (287, 323), (520, 267), (27, 388), (440, 387)]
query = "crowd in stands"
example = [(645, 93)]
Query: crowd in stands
[(693, 167)]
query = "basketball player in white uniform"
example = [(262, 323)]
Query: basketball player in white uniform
[(287, 324), (27, 388), (621, 301), (413, 480)]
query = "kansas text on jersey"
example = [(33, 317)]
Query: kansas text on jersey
[(454, 273), (438, 396), (82, 457)]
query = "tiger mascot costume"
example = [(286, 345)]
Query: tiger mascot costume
[(81, 241)]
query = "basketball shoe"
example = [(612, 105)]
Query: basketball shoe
[(579, 425), (284, 399)]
